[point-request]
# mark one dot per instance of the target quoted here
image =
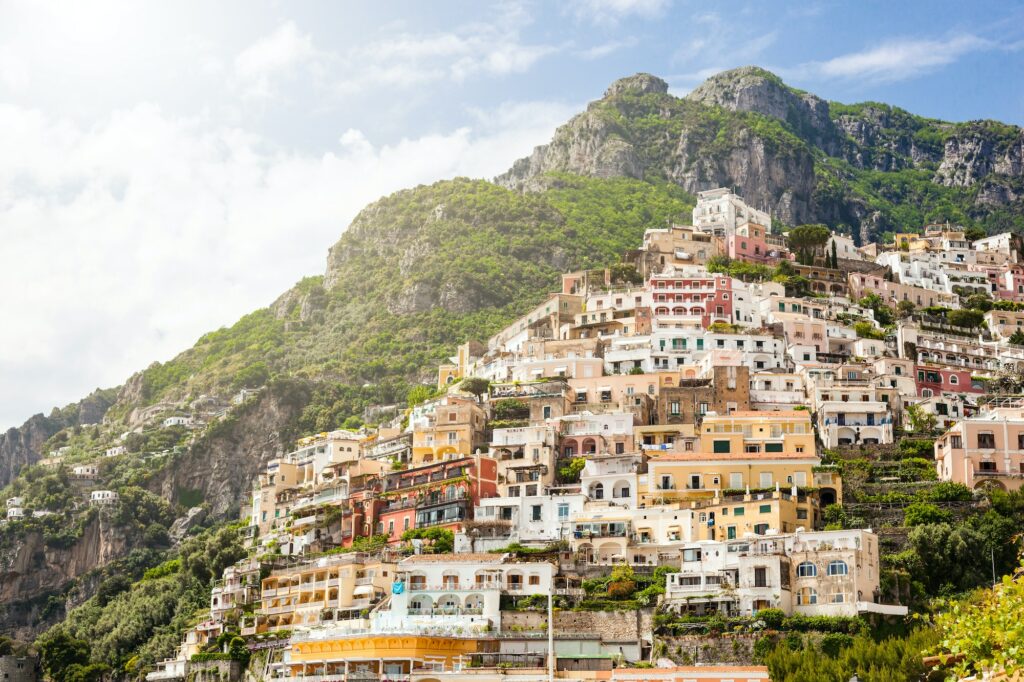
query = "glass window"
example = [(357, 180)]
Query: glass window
[(765, 509), (806, 596), (807, 570), (837, 567)]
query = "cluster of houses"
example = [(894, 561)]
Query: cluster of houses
[(678, 419)]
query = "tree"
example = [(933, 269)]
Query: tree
[(970, 319), (920, 513), (920, 421), (442, 540), (866, 330), (419, 394), (876, 304), (980, 302), (59, 651), (984, 635), (835, 256), (809, 240), (476, 386), (974, 233), (1017, 338), (905, 309)]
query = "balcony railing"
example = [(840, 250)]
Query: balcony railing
[(454, 587)]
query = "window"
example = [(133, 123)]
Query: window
[(773, 447), (535, 512), (721, 446), (765, 479), (547, 412), (674, 408), (807, 570), (735, 481), (534, 580), (806, 596), (391, 527), (986, 440), (703, 409), (953, 379), (695, 482), (405, 523), (837, 598), (837, 567), (760, 576), (765, 509), (761, 529), (563, 512), (738, 511)]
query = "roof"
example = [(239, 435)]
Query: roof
[(762, 413), (739, 457), (467, 558)]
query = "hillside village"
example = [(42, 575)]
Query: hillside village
[(724, 437)]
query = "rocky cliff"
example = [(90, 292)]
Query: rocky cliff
[(23, 446), (802, 157)]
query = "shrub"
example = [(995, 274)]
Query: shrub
[(921, 513), (834, 642), (772, 617)]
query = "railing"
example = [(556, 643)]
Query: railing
[(454, 587), (446, 612)]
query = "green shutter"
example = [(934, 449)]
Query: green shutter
[(773, 447), (722, 446), (766, 509)]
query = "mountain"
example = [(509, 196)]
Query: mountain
[(864, 168), (427, 268)]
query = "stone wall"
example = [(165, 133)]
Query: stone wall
[(19, 668), (704, 650), (612, 626), (215, 671)]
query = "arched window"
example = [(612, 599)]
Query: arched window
[(598, 491), (926, 393), (953, 379), (806, 570), (837, 567), (806, 596)]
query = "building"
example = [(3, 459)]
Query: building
[(833, 573), (726, 390), (85, 472), (984, 451), (103, 497), (20, 668), (177, 421), (449, 428), (720, 212), (115, 451)]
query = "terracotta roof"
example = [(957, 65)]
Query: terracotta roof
[(464, 558), (762, 413)]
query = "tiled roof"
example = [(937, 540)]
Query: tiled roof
[(468, 558)]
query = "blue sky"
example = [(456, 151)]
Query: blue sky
[(168, 167)]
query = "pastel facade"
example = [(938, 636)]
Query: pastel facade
[(986, 450)]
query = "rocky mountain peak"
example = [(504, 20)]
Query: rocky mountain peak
[(639, 84)]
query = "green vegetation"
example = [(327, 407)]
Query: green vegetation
[(439, 540)]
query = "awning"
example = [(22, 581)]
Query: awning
[(605, 388), (360, 590)]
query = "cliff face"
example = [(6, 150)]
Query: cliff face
[(22, 446), (219, 469), (32, 572), (802, 157)]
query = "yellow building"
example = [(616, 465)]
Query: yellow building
[(458, 366), (455, 428), (376, 656), (733, 517), (755, 432), (333, 590)]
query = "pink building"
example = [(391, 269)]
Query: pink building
[(709, 296), (984, 451), (752, 243), (935, 380), (1010, 284)]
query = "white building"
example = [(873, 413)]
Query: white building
[(612, 478), (177, 421), (433, 591), (115, 451), (103, 497), (85, 471), (833, 573), (720, 212), (536, 521)]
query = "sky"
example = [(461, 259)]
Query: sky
[(166, 168)]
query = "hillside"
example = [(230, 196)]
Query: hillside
[(426, 268), (864, 168)]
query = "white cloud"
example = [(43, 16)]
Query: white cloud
[(613, 11), (271, 56), (896, 60), (605, 49), (127, 239), (720, 43)]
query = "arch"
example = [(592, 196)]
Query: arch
[(621, 489), (837, 567), (690, 374), (421, 604), (806, 570), (588, 446), (417, 580), (450, 580), (661, 311), (608, 551), (474, 603), (449, 604), (989, 484), (846, 436), (696, 311), (806, 596), (827, 496), (679, 310), (597, 491)]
